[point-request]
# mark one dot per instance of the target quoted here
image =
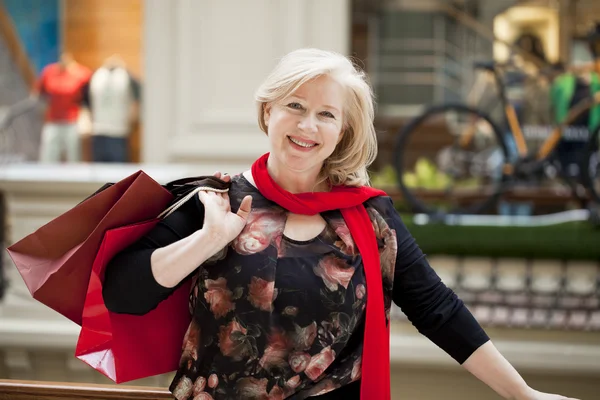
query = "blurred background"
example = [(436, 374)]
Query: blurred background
[(488, 144)]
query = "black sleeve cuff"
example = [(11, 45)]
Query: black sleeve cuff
[(460, 336)]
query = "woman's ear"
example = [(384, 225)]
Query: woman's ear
[(266, 113)]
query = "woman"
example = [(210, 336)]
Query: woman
[(279, 299)]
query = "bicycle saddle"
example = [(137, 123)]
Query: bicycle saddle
[(485, 65)]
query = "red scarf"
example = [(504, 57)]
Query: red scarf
[(375, 380)]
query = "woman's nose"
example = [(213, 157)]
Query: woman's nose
[(308, 124)]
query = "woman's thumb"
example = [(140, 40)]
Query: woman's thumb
[(245, 207)]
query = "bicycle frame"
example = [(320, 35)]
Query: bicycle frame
[(516, 130)]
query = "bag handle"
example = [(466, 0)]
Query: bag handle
[(169, 210), (183, 189)]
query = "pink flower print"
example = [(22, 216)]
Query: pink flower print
[(305, 337), (346, 243), (184, 388), (360, 291), (356, 369), (293, 382), (203, 396), (387, 255), (230, 342), (262, 228), (290, 311), (319, 363), (251, 388), (219, 297), (276, 352), (390, 244), (276, 393), (323, 387), (199, 385), (213, 381), (191, 341), (299, 361), (262, 293), (334, 271)]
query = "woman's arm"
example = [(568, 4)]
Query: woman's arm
[(141, 276), (432, 307), (436, 311), (489, 366)]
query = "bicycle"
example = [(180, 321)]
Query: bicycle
[(477, 156)]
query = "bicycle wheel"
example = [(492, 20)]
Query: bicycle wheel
[(591, 166), (450, 160)]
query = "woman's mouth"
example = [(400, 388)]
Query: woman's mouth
[(302, 144)]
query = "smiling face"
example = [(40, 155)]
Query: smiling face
[(305, 127)]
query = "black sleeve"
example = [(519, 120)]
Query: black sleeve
[(129, 285), (136, 87), (85, 94), (432, 307)]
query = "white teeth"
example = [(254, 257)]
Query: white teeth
[(302, 143)]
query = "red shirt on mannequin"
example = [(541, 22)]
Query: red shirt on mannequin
[(62, 86)]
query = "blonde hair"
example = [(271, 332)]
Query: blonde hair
[(357, 149)]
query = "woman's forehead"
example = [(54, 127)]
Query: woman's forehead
[(323, 89)]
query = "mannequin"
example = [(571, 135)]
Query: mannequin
[(112, 97), (60, 85)]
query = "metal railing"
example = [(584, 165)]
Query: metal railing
[(26, 390), (20, 131)]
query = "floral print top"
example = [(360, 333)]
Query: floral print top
[(275, 318), (272, 316)]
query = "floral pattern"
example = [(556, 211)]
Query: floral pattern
[(273, 317)]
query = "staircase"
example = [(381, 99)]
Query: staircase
[(20, 117)]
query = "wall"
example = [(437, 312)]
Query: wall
[(96, 29), (205, 58)]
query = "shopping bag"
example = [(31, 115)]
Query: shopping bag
[(56, 260), (126, 347)]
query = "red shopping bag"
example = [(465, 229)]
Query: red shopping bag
[(56, 260), (126, 347)]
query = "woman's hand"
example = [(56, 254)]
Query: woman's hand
[(533, 394), (219, 222)]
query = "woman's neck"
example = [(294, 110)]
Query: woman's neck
[(292, 181), (295, 182)]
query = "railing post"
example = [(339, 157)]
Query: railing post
[(27, 390)]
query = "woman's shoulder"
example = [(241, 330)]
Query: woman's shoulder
[(242, 186), (382, 202), (383, 205)]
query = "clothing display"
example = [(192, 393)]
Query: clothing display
[(281, 317), (110, 96), (60, 84), (59, 138)]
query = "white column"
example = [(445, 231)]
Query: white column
[(204, 60), (159, 79)]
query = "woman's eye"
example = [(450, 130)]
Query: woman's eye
[(328, 114), (295, 106)]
